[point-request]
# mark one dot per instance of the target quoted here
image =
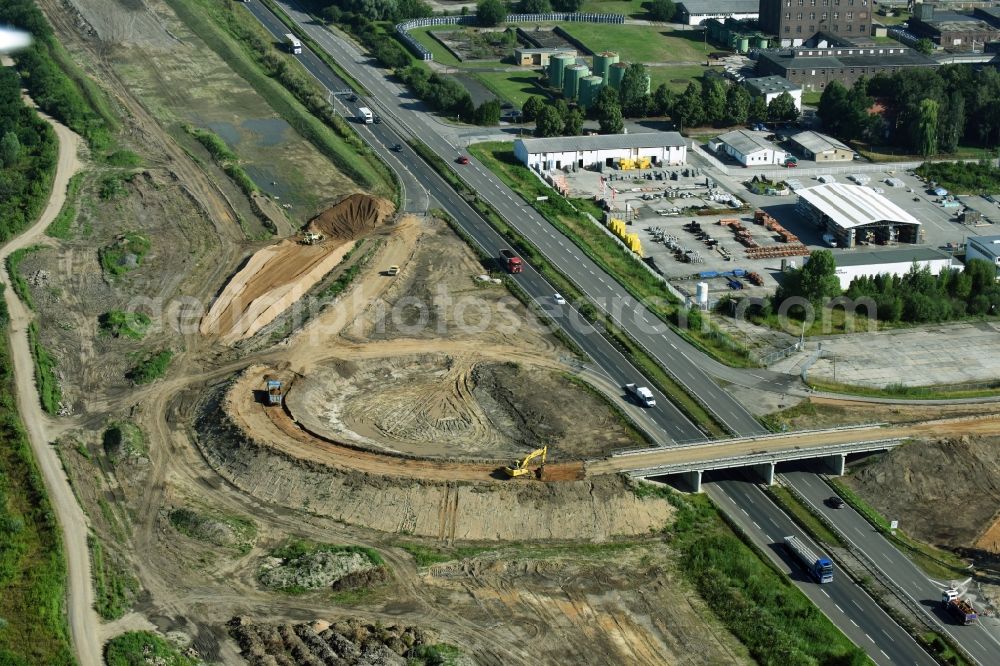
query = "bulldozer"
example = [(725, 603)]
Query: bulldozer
[(521, 468)]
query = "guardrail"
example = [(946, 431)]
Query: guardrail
[(748, 460), (403, 29)]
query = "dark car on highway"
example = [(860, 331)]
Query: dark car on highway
[(835, 502)]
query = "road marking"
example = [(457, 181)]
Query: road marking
[(840, 609), (744, 511), (768, 537), (978, 643), (756, 525), (889, 636), (869, 638), (825, 592), (889, 559), (884, 654)]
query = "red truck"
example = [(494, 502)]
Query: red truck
[(511, 261)]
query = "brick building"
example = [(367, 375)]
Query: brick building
[(815, 68), (796, 21), (952, 31)]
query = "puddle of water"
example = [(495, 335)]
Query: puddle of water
[(267, 131), (229, 133), (270, 182)]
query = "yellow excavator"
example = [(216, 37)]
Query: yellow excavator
[(521, 468)]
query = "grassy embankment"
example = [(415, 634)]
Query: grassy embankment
[(227, 160), (942, 392), (663, 381), (568, 217), (144, 647), (33, 627), (114, 588), (236, 36)]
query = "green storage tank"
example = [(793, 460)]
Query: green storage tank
[(572, 76), (760, 42), (615, 74), (602, 61), (557, 64), (743, 45), (590, 88)]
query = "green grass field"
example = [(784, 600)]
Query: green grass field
[(514, 87), (642, 43), (676, 77), (630, 8)]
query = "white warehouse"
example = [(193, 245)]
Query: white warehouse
[(890, 262), (662, 149), (748, 149), (986, 248)]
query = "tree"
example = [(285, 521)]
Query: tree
[(951, 124), (737, 105), (549, 122), (573, 126), (568, 6), (663, 100), (531, 107), (924, 46), (782, 108), (758, 109), (488, 113), (818, 278), (10, 149), (661, 10), (612, 122), (632, 92), (927, 140), (714, 108), (688, 110), (534, 7), (833, 107), (490, 12)]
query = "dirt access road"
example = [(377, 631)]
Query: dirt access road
[(83, 620)]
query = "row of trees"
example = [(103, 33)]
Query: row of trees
[(928, 111), (916, 297), (715, 101)]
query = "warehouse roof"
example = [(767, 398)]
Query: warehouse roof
[(818, 143), (745, 142), (988, 245), (850, 206), (903, 255), (855, 59), (721, 6), (771, 84), (561, 144)]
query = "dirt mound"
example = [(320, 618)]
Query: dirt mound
[(945, 491), (354, 217)]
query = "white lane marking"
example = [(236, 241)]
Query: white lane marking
[(840, 609), (756, 525), (889, 636), (825, 592), (869, 638), (854, 623), (884, 654), (744, 511)]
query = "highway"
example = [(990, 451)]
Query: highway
[(846, 604), (924, 592), (394, 103), (422, 184)]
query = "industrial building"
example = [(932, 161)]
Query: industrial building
[(747, 148), (951, 30), (771, 87), (986, 248), (795, 21), (605, 150), (539, 57), (854, 215), (815, 68), (695, 12), (890, 262), (821, 148)]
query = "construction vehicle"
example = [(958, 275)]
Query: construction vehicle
[(820, 568), (273, 391), (521, 468), (641, 394), (393, 270), (310, 238), (511, 261), (958, 607), (293, 44)]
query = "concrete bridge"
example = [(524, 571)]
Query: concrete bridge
[(828, 448)]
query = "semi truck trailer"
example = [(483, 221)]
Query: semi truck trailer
[(293, 44), (511, 261), (642, 394), (365, 115), (820, 568)]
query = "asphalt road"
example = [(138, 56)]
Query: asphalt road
[(398, 106), (423, 186), (976, 639), (846, 604)]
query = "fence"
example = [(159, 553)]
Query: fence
[(403, 29)]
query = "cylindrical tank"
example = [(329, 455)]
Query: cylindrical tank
[(616, 73), (557, 63), (784, 265), (602, 61), (590, 88), (760, 42), (701, 295), (743, 45), (571, 80)]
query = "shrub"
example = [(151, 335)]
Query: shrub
[(151, 368)]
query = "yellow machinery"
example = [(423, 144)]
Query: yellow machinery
[(643, 163), (521, 469), (625, 164)]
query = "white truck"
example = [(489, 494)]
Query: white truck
[(642, 394), (293, 44), (365, 115)]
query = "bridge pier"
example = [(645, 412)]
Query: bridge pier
[(692, 480), (836, 464), (765, 471)]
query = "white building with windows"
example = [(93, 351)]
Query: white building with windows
[(696, 12), (890, 262), (986, 248), (771, 87), (562, 152), (747, 148)]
